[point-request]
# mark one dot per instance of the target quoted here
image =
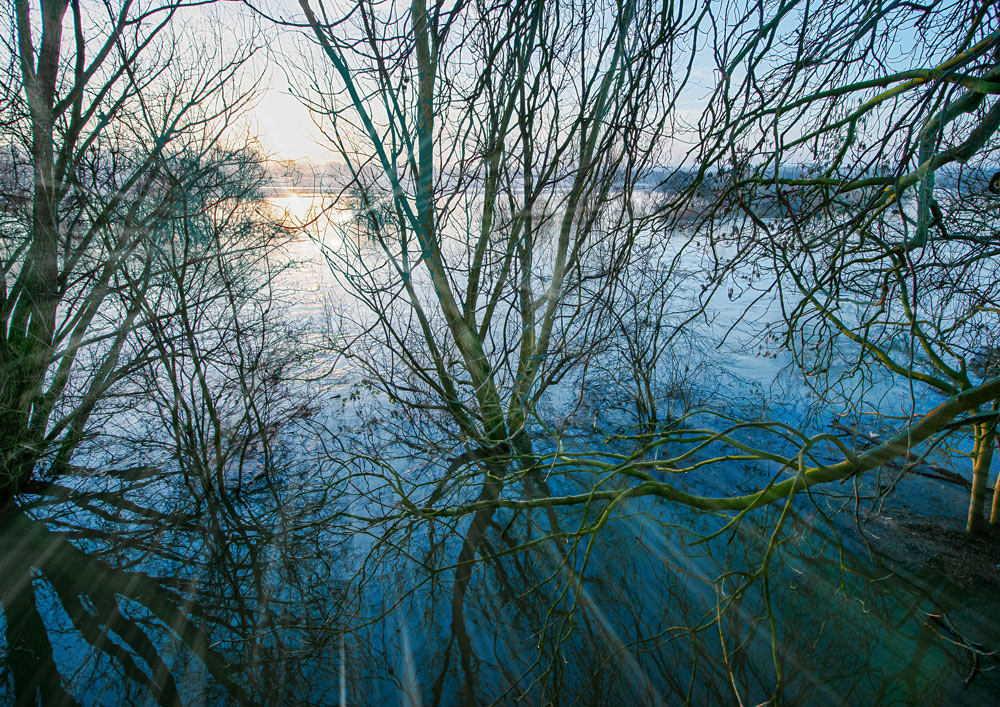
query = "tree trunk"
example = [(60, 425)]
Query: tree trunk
[(995, 511), (30, 324), (982, 458)]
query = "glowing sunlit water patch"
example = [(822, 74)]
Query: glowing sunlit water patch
[(315, 217), (307, 207)]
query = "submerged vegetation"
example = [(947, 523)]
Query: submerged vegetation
[(631, 353)]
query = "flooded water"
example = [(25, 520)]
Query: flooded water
[(312, 583)]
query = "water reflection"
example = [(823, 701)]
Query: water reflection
[(79, 620), (111, 598), (120, 592), (656, 618)]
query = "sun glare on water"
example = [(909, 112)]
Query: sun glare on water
[(315, 217), (306, 207)]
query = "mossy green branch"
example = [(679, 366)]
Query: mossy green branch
[(937, 420)]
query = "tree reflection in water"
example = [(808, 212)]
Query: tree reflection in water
[(651, 615), (110, 598)]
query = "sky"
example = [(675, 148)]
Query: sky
[(281, 123), (285, 127)]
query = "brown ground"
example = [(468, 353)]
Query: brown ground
[(932, 546)]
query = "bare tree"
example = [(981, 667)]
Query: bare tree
[(103, 114), (138, 312), (495, 152), (817, 216), (494, 149), (852, 150)]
